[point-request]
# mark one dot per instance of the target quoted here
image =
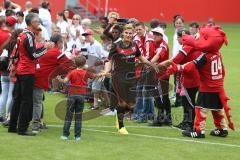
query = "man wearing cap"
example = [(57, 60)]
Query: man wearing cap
[(28, 53), (162, 100), (96, 55)]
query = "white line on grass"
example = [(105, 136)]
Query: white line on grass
[(159, 137)]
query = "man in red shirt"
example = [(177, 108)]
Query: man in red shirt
[(47, 63), (21, 113), (144, 108), (162, 99)]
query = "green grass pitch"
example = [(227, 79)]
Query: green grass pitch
[(100, 140)]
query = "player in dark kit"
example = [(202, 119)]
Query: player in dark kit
[(121, 63)]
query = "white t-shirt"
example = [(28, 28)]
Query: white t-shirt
[(44, 14), (96, 50), (176, 45), (20, 25), (45, 34), (63, 26), (73, 30)]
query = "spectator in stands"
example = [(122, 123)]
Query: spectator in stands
[(7, 82), (95, 57), (86, 23), (45, 16), (45, 35), (20, 21), (62, 22), (28, 7), (6, 46), (178, 23), (76, 26), (9, 5), (193, 28)]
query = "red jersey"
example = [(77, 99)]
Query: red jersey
[(78, 81), (162, 49), (28, 53), (48, 63), (211, 72), (4, 37), (191, 79)]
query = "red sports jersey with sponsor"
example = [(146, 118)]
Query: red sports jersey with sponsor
[(47, 64), (191, 79), (162, 49), (78, 81), (211, 72), (28, 51)]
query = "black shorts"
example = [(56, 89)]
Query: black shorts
[(124, 87), (209, 100)]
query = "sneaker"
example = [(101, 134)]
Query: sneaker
[(64, 138), (123, 131), (179, 126), (2, 119), (36, 128), (77, 138), (43, 126), (219, 133), (26, 133), (156, 124), (193, 134), (6, 123)]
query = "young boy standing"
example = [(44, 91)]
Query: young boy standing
[(75, 101)]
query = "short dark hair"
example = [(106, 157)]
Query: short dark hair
[(154, 23), (61, 14), (9, 12), (20, 13), (56, 38), (119, 28), (30, 17), (180, 32), (79, 61), (34, 10), (7, 4), (194, 24), (45, 5), (139, 24), (176, 17), (163, 25)]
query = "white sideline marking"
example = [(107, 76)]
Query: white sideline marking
[(159, 137)]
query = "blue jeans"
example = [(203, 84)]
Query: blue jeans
[(148, 108), (138, 110), (6, 99), (75, 105)]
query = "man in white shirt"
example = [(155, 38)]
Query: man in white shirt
[(28, 7), (45, 17), (20, 21), (96, 55)]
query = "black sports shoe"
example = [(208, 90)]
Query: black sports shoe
[(26, 134), (179, 125), (156, 124), (219, 133), (193, 134)]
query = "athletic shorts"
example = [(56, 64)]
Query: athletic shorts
[(209, 100)]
